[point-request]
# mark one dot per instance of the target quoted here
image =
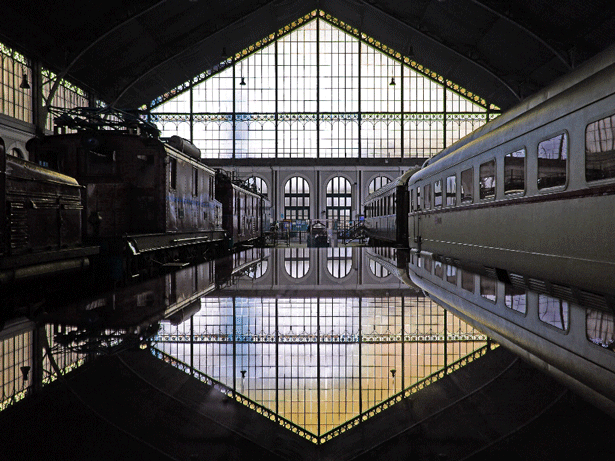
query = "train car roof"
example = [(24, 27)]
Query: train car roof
[(399, 181)]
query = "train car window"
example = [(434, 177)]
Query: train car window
[(451, 190), (467, 281), (195, 190), (437, 193), (488, 288), (600, 149), (467, 185), (438, 269), (427, 191), (451, 274), (487, 180), (552, 161), (515, 298), (553, 311), (514, 172), (419, 203), (600, 328), (101, 161), (173, 173)]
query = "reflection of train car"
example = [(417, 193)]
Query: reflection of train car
[(135, 307), (534, 188), (386, 212), (234, 265), (41, 230), (546, 324), (246, 215), (318, 235), (147, 202)]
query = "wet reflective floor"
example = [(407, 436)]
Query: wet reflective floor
[(317, 341)]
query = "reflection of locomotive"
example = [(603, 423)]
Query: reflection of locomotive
[(144, 203), (41, 230)]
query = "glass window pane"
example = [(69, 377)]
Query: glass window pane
[(552, 161)]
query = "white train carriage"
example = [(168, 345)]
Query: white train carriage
[(535, 188)]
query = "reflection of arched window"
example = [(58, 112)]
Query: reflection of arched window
[(258, 270), (377, 183), (259, 184), (339, 261), (296, 199), (339, 199), (297, 262), (378, 269)]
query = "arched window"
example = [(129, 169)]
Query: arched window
[(377, 183), (339, 200), (297, 199), (259, 184)]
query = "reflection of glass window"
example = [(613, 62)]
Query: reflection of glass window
[(601, 328), (297, 262), (427, 191), (515, 298), (419, 202), (552, 159), (487, 180), (514, 172), (488, 288), (339, 261), (378, 269), (437, 193), (467, 185), (553, 311), (451, 190), (451, 274), (467, 281), (438, 269), (600, 149)]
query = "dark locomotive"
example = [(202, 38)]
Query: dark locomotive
[(136, 200), (41, 231)]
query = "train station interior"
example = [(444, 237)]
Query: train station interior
[(277, 350)]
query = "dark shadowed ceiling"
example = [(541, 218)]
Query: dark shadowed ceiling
[(129, 52)]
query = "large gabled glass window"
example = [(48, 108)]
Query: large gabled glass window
[(319, 88)]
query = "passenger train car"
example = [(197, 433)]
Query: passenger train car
[(566, 333), (40, 233), (246, 214), (386, 212), (534, 188)]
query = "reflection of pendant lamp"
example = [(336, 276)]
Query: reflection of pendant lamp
[(392, 81), (243, 81)]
